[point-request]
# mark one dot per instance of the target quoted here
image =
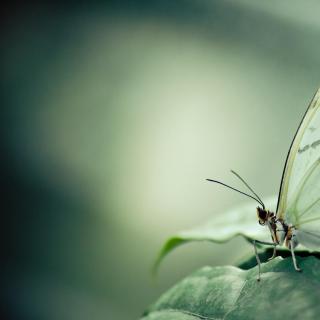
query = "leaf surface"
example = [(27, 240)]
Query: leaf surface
[(232, 293), (239, 221)]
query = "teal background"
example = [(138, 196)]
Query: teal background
[(114, 113)]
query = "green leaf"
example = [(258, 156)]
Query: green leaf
[(251, 261), (239, 221), (232, 293)]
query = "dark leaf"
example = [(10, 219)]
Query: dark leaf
[(232, 293)]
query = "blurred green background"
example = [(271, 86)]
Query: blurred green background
[(114, 114)]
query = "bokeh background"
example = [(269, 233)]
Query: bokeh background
[(114, 113)]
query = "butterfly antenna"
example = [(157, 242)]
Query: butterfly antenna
[(246, 184), (232, 188)]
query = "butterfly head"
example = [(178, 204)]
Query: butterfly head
[(263, 215)]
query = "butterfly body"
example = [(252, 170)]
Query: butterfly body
[(281, 232)]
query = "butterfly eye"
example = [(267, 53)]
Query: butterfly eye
[(262, 223), (262, 215)]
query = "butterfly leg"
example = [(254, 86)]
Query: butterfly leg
[(258, 259), (254, 242), (293, 257), (274, 254)]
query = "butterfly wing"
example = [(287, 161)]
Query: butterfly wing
[(309, 238), (299, 197), (303, 152), (304, 210)]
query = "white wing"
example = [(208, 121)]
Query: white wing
[(299, 197), (309, 238), (304, 211), (304, 151)]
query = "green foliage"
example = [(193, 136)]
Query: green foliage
[(232, 293), (240, 221)]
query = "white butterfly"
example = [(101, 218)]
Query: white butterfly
[(297, 218)]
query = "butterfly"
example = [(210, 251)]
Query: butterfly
[(297, 217)]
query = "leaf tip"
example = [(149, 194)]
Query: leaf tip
[(169, 245)]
